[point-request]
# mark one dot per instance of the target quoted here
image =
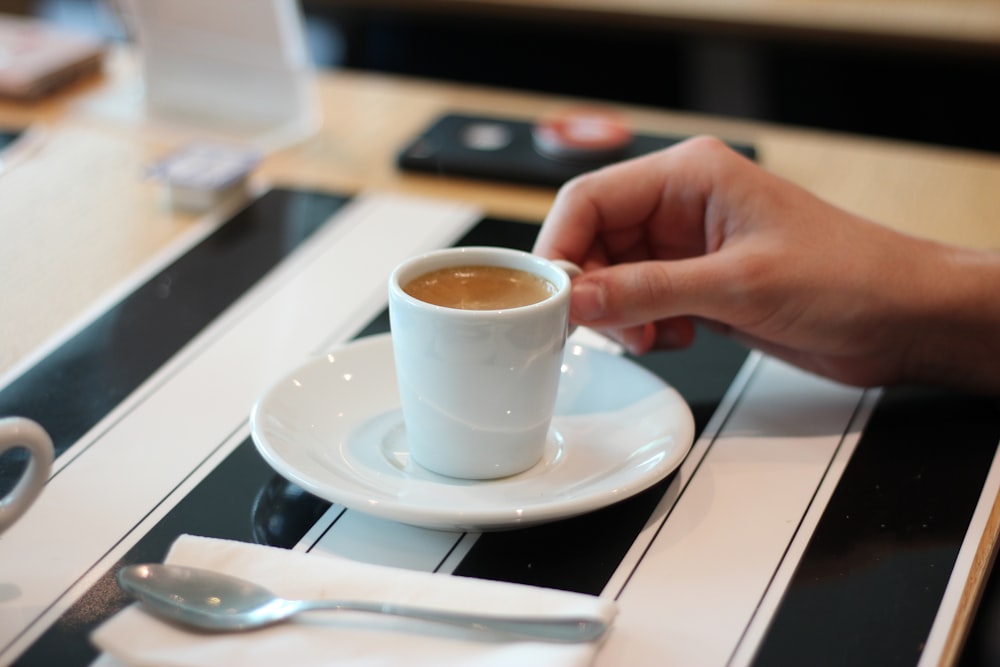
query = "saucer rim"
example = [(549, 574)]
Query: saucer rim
[(470, 519)]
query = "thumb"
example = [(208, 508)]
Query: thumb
[(634, 293)]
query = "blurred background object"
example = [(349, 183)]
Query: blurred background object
[(239, 69), (926, 88), (37, 58)]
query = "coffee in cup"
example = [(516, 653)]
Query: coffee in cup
[(480, 287), (478, 336)]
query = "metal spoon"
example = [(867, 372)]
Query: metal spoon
[(214, 601)]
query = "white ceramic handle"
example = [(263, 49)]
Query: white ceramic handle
[(20, 432), (573, 271), (569, 267)]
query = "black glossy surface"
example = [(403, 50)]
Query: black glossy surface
[(869, 584), (81, 381)]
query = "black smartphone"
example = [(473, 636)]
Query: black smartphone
[(504, 149)]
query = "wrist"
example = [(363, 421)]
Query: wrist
[(956, 336)]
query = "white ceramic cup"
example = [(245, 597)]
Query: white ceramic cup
[(478, 387), (20, 432)]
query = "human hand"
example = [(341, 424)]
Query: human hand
[(699, 233)]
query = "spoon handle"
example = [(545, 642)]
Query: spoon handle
[(565, 629)]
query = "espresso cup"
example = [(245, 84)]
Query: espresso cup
[(478, 383), (18, 432)]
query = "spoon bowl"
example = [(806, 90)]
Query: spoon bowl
[(214, 601)]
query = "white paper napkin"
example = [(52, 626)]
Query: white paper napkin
[(134, 638)]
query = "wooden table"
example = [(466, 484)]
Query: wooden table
[(80, 208), (964, 25)]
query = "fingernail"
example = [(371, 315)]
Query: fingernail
[(587, 302)]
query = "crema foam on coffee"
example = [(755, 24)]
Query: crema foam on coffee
[(480, 288)]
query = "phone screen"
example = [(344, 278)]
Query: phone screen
[(502, 149)]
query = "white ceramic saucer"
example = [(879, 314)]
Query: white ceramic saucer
[(333, 427)]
